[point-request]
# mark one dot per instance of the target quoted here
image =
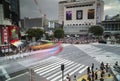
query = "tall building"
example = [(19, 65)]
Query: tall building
[(78, 16), (9, 12), (111, 25), (9, 19)]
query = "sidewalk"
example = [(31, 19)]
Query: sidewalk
[(106, 77)]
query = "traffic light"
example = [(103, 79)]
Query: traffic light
[(62, 67)]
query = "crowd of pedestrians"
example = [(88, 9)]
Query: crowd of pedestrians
[(92, 73), (73, 40)]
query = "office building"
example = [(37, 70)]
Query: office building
[(78, 16)]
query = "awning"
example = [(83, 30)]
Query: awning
[(17, 43)]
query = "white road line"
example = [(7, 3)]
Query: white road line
[(55, 68), (52, 67), (47, 66), (64, 73), (77, 70), (83, 69), (40, 65), (5, 72), (16, 76), (59, 70)]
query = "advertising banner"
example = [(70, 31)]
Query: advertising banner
[(79, 14), (68, 15), (91, 13), (5, 35)]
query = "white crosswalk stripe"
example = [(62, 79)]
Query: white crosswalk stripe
[(51, 68)]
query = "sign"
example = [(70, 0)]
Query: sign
[(4, 34)]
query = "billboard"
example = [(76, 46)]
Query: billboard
[(79, 14), (5, 35), (68, 15), (91, 13), (13, 33)]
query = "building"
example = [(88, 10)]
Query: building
[(9, 19), (28, 23), (111, 25), (78, 16), (9, 12)]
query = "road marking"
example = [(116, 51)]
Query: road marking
[(52, 66), (83, 69), (67, 63), (47, 66), (17, 76), (64, 73), (5, 73)]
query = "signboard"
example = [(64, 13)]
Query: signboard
[(68, 15), (79, 14), (5, 34)]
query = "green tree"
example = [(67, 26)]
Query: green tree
[(37, 33), (59, 33), (96, 30)]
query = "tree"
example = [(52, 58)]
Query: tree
[(96, 30), (37, 33), (59, 33)]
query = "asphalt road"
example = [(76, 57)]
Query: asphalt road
[(76, 59)]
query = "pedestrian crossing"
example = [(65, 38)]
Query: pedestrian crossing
[(99, 54), (51, 68)]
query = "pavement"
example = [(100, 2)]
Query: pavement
[(106, 77)]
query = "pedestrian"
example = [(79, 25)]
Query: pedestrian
[(106, 67), (102, 66), (88, 70), (93, 76), (83, 79), (96, 76), (68, 77), (102, 73), (101, 79), (89, 76), (92, 66), (74, 79)]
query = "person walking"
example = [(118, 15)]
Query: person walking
[(89, 76), (88, 70), (93, 76), (68, 77), (92, 68), (101, 79), (74, 79), (96, 75), (83, 79), (106, 67)]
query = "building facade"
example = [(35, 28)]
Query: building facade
[(9, 12), (78, 16), (28, 23), (9, 17), (112, 25)]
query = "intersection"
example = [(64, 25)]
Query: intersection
[(75, 57)]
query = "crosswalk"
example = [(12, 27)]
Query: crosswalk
[(51, 68), (100, 54)]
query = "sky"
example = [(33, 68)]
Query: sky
[(28, 8)]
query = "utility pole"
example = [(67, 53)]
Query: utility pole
[(31, 71), (62, 69)]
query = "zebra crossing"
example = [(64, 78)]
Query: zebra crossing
[(51, 68), (100, 54)]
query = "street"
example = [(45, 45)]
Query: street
[(75, 57)]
